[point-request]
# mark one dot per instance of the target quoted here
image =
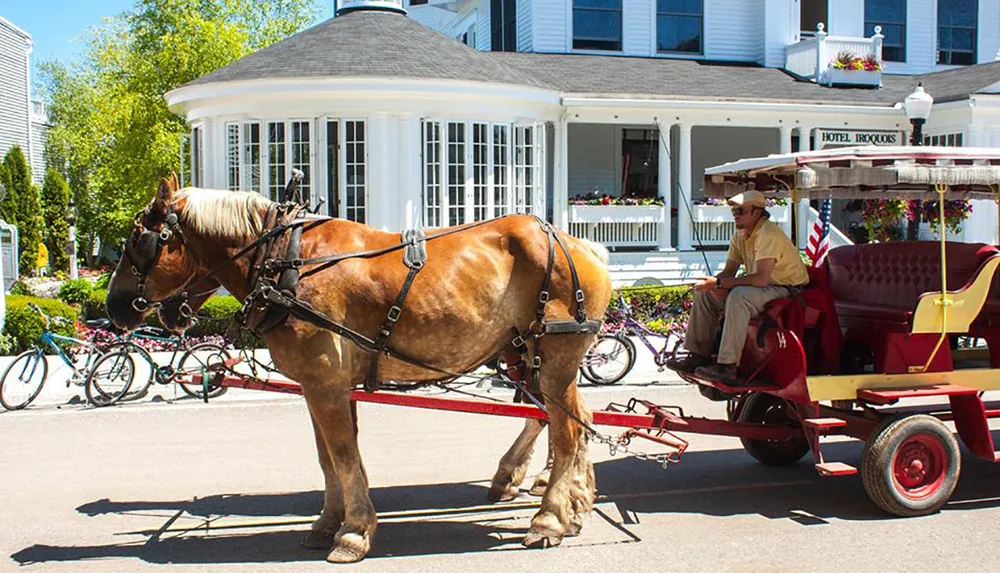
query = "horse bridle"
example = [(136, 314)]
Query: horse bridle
[(144, 250)]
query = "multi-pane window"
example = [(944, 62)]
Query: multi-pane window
[(185, 159), (301, 157), (891, 15), (503, 25), (277, 160), (456, 173), (501, 170), (251, 157), (679, 26), (432, 174), (355, 183), (475, 170), (197, 156), (949, 139), (232, 156), (333, 167), (597, 25), (957, 22)]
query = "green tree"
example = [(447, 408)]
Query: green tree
[(55, 206), (22, 195), (111, 123), (8, 207)]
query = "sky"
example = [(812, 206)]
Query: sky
[(57, 26)]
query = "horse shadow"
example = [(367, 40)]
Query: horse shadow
[(450, 518)]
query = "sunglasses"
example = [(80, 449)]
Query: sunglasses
[(737, 211)]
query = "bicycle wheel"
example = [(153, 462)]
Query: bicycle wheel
[(144, 372), (22, 381), (608, 360), (111, 377), (204, 359)]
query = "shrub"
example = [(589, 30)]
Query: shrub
[(103, 281), (19, 288), (646, 299), (94, 307), (215, 317), (25, 326), (76, 291), (55, 207)]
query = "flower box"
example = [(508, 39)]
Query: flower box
[(840, 77), (616, 213), (723, 214)]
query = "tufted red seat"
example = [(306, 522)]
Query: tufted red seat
[(877, 286)]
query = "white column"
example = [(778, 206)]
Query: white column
[(380, 160), (684, 189), (409, 176), (664, 242), (560, 179), (981, 226), (785, 146), (805, 138)]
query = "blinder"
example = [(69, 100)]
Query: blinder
[(144, 252)]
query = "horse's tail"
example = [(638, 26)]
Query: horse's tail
[(599, 250)]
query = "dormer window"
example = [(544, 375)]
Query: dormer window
[(679, 26), (957, 22), (597, 25)]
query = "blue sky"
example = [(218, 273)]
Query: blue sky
[(57, 26)]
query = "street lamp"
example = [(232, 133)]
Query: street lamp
[(71, 240), (918, 108)]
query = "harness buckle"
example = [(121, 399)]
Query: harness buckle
[(140, 289), (296, 263), (394, 312), (518, 342), (543, 297), (165, 235), (579, 295), (140, 304), (536, 362)]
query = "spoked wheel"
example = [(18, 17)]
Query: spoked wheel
[(609, 359), (111, 377), (144, 372), (759, 408), (23, 380), (205, 360), (910, 465)]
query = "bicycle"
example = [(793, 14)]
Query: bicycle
[(200, 358), (613, 354), (24, 378)]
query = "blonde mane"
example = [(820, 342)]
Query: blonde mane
[(223, 215)]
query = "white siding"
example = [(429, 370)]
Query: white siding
[(780, 30), (989, 31), (921, 39), (638, 27), (39, 134), (484, 39), (847, 18), (524, 39), (733, 29), (551, 26), (14, 86), (593, 153)]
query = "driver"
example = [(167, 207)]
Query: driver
[(773, 270)]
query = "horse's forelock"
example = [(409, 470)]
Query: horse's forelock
[(221, 214)]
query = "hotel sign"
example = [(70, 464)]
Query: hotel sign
[(829, 137)]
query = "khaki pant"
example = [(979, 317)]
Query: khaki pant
[(742, 304)]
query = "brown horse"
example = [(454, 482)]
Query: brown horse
[(478, 285)]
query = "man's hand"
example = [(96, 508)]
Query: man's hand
[(705, 283)]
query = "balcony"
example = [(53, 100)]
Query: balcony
[(814, 59)]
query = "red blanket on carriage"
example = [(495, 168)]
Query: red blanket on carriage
[(811, 315)]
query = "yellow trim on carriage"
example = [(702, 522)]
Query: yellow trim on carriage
[(846, 387), (964, 306)]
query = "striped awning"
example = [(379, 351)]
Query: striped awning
[(867, 172)]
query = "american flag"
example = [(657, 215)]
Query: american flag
[(819, 236)]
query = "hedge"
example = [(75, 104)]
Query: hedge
[(25, 326), (644, 299)]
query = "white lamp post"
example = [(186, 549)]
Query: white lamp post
[(918, 108)]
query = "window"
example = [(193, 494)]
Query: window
[(597, 25), (503, 24), (891, 15), (679, 26), (950, 139), (185, 159), (251, 157), (354, 170), (276, 160), (333, 168), (232, 156), (302, 158), (417, 2), (472, 171), (957, 20), (197, 157)]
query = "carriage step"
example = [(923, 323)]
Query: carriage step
[(835, 469), (824, 423)]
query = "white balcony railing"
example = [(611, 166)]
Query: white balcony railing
[(712, 225), (813, 58), (617, 225)]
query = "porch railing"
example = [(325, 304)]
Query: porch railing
[(617, 225), (812, 58)]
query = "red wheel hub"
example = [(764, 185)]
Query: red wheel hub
[(919, 466)]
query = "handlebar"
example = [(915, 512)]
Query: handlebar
[(151, 331)]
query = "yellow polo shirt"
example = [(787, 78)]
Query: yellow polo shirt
[(768, 241)]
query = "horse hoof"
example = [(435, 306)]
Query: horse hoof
[(350, 548), (501, 493), (318, 540), (538, 488), (541, 540)]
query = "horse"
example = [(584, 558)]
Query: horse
[(479, 284)]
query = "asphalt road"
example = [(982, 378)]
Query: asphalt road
[(233, 486)]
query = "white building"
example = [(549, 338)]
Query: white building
[(398, 125), (23, 122)]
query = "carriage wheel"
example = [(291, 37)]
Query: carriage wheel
[(910, 465), (759, 408)]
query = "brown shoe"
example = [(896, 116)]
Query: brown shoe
[(687, 364), (724, 373)]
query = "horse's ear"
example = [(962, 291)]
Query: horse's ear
[(165, 193), (173, 178)]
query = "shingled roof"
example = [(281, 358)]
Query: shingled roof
[(370, 43)]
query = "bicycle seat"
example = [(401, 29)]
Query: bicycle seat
[(99, 323)]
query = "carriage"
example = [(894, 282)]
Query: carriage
[(874, 333)]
